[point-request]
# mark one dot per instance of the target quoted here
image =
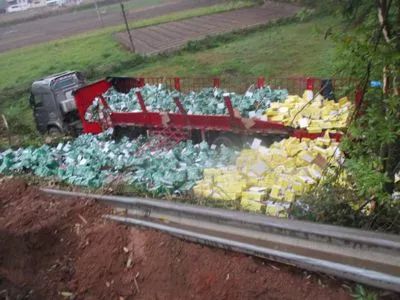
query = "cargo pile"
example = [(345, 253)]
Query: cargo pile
[(265, 103), (157, 98), (316, 115), (272, 178), (260, 178), (94, 161)]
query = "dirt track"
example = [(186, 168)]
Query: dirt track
[(65, 25), (50, 247), (174, 35)]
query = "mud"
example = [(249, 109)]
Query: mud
[(53, 248)]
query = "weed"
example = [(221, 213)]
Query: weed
[(361, 293)]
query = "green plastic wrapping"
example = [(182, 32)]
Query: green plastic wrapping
[(97, 160), (207, 101)]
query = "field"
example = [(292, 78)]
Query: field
[(294, 48), (285, 50), (43, 12)]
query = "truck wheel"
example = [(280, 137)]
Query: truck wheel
[(54, 132), (228, 140)]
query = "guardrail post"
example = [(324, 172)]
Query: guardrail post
[(7, 129)]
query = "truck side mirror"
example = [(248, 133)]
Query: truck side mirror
[(80, 76)]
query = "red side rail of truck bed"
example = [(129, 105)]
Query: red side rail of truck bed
[(227, 123)]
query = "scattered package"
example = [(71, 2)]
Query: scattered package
[(314, 115), (272, 178), (97, 160), (157, 98)]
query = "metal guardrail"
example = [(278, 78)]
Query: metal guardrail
[(362, 256)]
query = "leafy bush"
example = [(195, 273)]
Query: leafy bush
[(335, 203)]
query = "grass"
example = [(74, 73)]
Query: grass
[(135, 4), (281, 50), (285, 50)]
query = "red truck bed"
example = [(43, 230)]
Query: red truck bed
[(182, 121)]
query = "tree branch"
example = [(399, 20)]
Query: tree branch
[(383, 7)]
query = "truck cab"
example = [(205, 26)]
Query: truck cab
[(53, 103)]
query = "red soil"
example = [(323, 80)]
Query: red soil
[(53, 248)]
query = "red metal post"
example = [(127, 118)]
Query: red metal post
[(216, 82), (141, 82), (260, 82), (177, 83), (310, 84), (141, 102)]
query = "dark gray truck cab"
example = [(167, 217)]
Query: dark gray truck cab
[(53, 103)]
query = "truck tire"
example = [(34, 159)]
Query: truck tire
[(54, 132), (228, 140)]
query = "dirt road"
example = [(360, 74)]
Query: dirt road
[(174, 35), (65, 25), (56, 249)]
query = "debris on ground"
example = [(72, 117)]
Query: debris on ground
[(96, 160), (258, 179), (47, 252), (272, 178)]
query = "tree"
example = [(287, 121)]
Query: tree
[(371, 50)]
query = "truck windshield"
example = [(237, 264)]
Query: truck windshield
[(63, 82)]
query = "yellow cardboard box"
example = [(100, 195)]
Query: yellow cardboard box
[(251, 205), (277, 209), (289, 195), (276, 192)]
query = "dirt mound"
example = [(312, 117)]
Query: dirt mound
[(63, 249)]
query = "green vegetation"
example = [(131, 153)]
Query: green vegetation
[(362, 293), (369, 51), (286, 50), (130, 5)]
